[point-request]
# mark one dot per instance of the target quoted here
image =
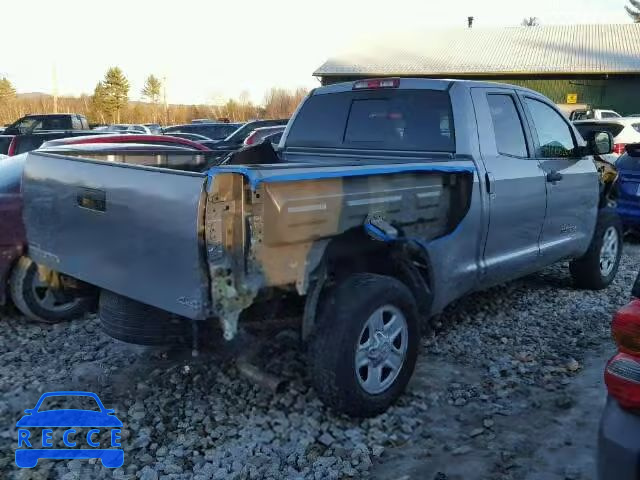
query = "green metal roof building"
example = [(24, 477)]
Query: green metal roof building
[(595, 65)]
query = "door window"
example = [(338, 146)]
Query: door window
[(507, 126), (554, 134)]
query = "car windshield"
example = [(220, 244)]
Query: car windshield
[(117, 128), (216, 131), (63, 402), (243, 132), (45, 122)]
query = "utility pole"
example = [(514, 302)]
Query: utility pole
[(55, 89), (164, 100)]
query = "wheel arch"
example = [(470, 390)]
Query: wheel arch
[(355, 252)]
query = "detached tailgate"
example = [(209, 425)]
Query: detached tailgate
[(133, 230)]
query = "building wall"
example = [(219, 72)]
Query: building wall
[(619, 93)]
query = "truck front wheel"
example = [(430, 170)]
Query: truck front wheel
[(597, 268), (366, 344)]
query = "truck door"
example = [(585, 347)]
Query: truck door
[(571, 182), (514, 184)]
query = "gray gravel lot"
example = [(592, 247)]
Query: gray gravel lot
[(507, 388)]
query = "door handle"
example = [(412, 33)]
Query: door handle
[(489, 182), (554, 176)]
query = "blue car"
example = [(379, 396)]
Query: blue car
[(628, 166), (66, 419)]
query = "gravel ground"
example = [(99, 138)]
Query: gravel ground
[(508, 388)]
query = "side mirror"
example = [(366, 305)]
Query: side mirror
[(600, 143)]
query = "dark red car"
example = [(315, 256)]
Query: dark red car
[(41, 294)]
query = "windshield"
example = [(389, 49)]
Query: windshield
[(62, 402), (378, 119), (36, 123), (117, 128), (216, 131), (243, 132)]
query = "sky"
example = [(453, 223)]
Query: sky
[(211, 50)]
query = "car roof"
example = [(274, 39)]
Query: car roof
[(619, 120), (270, 127), (423, 83), (99, 147)]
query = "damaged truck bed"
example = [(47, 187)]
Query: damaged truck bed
[(386, 200)]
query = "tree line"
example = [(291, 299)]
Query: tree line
[(110, 103)]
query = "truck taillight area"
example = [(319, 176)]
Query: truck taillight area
[(622, 374), (376, 83)]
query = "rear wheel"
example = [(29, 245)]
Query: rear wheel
[(597, 268), (38, 301), (134, 322), (366, 343)]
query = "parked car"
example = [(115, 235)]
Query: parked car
[(58, 297), (54, 121), (128, 138), (154, 128), (623, 130), (16, 144), (628, 187), (190, 136), (128, 128), (376, 208), (259, 134), (235, 141), (213, 131), (619, 435), (593, 114), (52, 299)]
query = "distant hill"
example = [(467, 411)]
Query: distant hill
[(33, 95)]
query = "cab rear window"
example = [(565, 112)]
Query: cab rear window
[(376, 119)]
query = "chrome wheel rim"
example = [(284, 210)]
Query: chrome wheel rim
[(48, 299), (381, 349), (609, 251)]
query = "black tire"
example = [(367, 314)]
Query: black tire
[(38, 303), (134, 322), (586, 271), (342, 316)]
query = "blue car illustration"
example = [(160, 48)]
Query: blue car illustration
[(67, 419)]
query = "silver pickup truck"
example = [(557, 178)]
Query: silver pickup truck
[(386, 200)]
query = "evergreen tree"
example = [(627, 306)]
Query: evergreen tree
[(634, 10), (152, 89), (98, 102), (115, 93), (7, 92)]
